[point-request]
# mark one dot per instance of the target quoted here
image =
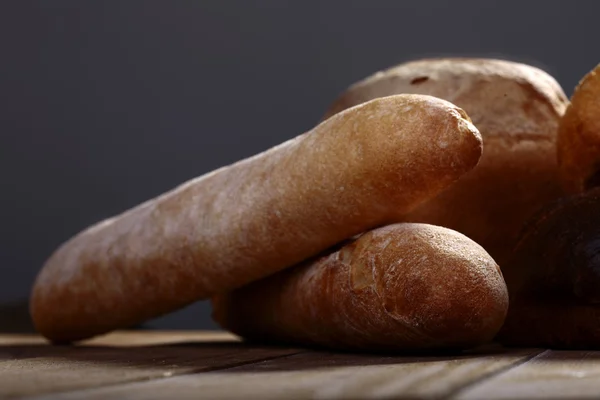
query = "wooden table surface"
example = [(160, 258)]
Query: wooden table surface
[(216, 365)]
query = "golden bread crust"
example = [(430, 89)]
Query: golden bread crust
[(357, 170), (579, 136), (402, 287)]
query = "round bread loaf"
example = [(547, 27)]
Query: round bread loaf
[(579, 136), (517, 109), (402, 287)]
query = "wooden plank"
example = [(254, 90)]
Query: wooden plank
[(34, 368), (324, 376), (550, 375), (129, 338)]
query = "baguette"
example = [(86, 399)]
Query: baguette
[(363, 168), (517, 109), (402, 287)]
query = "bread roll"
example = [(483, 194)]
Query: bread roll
[(554, 281), (360, 169), (402, 287), (579, 136), (517, 109)]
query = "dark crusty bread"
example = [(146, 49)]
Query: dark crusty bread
[(402, 287), (517, 109), (360, 169), (554, 279)]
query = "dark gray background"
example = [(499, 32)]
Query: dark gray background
[(104, 104)]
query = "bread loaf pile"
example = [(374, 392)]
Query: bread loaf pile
[(383, 228)]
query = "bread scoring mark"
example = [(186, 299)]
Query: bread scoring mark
[(345, 254), (419, 79), (362, 275)]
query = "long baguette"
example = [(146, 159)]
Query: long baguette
[(403, 287), (363, 168)]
